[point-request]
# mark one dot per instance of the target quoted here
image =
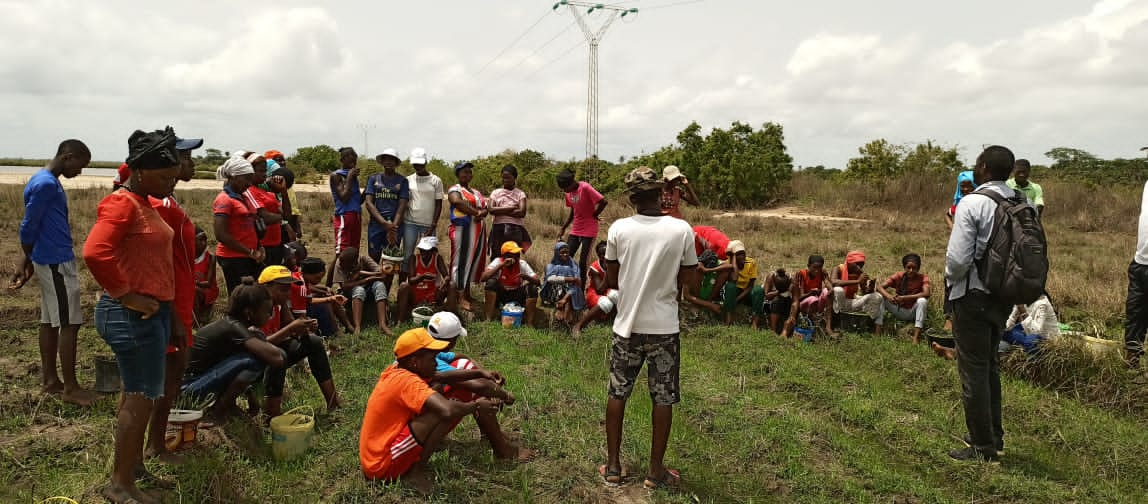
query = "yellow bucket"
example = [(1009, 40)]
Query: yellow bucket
[(291, 433)]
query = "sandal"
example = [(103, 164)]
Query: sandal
[(611, 478), (670, 480)]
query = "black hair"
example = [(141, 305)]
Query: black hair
[(1022, 163), (780, 273), (348, 251), (601, 243), (344, 150), (288, 176), (297, 248), (73, 146), (999, 161), (511, 170), (246, 296), (911, 257), (564, 178), (814, 259), (312, 265), (199, 231)]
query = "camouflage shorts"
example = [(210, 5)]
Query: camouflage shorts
[(660, 351)]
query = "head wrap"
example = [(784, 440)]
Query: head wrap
[(234, 167), (152, 150), (558, 247), (272, 154), (961, 178), (855, 257), (272, 167)]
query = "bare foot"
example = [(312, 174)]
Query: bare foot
[(576, 332), (517, 454), (55, 387), (419, 482), (386, 330), (336, 403), (164, 457), (946, 353), (79, 396), (464, 305), (121, 495)]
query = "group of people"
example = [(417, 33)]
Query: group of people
[(159, 284)]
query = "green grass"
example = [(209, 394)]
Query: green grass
[(762, 420)]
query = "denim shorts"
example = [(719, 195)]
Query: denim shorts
[(241, 365), (140, 345)]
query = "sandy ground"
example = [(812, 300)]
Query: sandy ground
[(791, 213), (86, 181)]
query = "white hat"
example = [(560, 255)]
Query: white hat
[(671, 172), (428, 243), (418, 156), (390, 152), (734, 247), (445, 326)]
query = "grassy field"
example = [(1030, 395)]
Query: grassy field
[(866, 419)]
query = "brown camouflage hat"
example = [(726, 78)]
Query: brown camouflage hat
[(643, 178)]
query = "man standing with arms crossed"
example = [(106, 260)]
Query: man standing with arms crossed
[(978, 318), (648, 256), (47, 242)]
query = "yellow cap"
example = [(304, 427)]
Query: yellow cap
[(511, 248), (278, 274), (415, 340)]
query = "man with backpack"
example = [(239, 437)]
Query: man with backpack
[(996, 258)]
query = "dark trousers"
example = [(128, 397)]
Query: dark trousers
[(585, 244), (308, 347), (235, 268), (978, 324), (1135, 313)]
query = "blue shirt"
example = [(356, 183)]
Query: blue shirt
[(972, 225), (45, 223), (443, 360), (388, 192), (354, 204)]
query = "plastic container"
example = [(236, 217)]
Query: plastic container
[(182, 428), (107, 374), (422, 315), (291, 433), (512, 315)]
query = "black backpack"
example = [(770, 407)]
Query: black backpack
[(1014, 267)]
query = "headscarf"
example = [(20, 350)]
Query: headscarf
[(961, 177), (554, 259), (234, 167), (157, 149), (855, 257), (272, 154), (567, 269), (272, 166)]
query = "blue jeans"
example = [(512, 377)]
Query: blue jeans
[(322, 314), (411, 235), (140, 344), (242, 365)]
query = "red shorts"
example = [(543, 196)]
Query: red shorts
[(457, 393), (424, 296), (348, 230), (405, 452)]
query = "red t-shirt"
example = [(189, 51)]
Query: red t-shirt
[(240, 222), (183, 259), (258, 198), (709, 238), (299, 294), (129, 248), (907, 286), (275, 323), (810, 283), (584, 201)]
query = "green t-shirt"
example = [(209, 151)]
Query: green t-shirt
[(1032, 191)]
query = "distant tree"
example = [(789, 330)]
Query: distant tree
[(930, 157), (212, 157), (1072, 159), (877, 159), (319, 158)]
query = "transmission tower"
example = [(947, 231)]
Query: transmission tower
[(593, 38), (366, 128)]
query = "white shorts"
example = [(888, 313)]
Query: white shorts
[(59, 294)]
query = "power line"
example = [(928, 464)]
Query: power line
[(561, 55), (513, 42), (543, 46), (672, 4)]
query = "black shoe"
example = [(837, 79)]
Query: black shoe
[(973, 454), (968, 440)]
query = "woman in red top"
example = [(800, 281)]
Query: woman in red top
[(599, 299), (267, 206), (238, 251), (812, 290), (129, 253)]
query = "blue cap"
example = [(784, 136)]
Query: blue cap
[(188, 143), (462, 165)]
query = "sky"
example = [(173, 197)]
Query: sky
[(465, 79)]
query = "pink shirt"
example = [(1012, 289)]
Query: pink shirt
[(503, 198), (584, 200)]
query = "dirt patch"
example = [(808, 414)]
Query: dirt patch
[(788, 213)]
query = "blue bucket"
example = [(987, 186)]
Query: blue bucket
[(806, 333), (512, 315)]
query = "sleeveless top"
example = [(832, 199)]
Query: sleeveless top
[(355, 203), (472, 196), (424, 288)]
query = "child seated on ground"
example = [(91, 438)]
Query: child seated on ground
[(429, 281), (909, 299), (358, 274), (563, 289), (712, 276), (599, 298), (406, 420), (508, 278), (849, 280), (811, 288), (321, 303), (229, 355), (778, 301), (743, 290), (206, 286), (1028, 325)]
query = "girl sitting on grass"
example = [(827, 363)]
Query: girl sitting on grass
[(206, 285), (564, 284)]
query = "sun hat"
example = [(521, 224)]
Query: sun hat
[(390, 152), (643, 179), (445, 326), (734, 247), (428, 243), (671, 172), (418, 156), (415, 340)]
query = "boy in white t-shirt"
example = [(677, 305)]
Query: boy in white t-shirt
[(423, 208), (648, 256)]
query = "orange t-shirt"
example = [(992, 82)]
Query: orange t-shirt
[(129, 248), (398, 397)]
